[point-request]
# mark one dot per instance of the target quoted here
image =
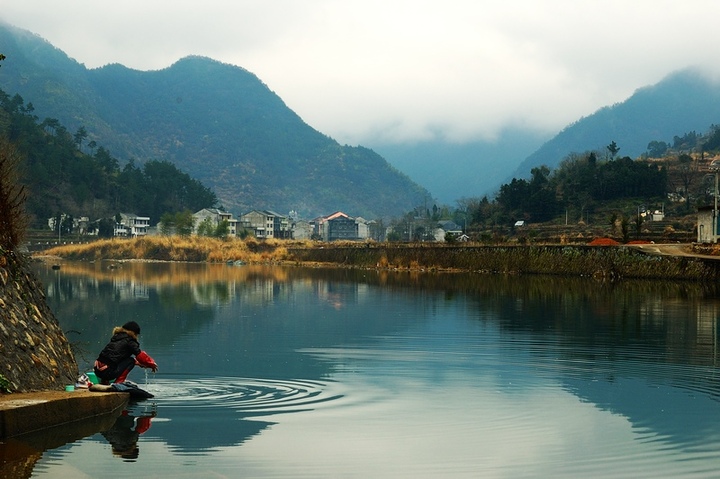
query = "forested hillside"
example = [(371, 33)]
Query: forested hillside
[(65, 174), (217, 122)]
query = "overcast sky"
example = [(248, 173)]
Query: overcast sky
[(362, 71)]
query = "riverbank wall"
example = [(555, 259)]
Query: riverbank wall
[(35, 354), (602, 262)]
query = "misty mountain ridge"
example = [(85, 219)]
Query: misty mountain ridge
[(215, 121), (682, 102)]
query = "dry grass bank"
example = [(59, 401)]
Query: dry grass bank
[(176, 248)]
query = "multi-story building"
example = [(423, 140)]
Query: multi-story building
[(339, 226), (215, 217), (266, 224), (131, 225)]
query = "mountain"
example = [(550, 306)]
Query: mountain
[(217, 122), (684, 101)]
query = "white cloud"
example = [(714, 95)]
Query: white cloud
[(402, 69)]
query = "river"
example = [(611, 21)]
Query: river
[(308, 372)]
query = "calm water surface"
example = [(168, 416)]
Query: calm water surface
[(291, 372)]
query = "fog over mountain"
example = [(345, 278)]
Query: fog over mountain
[(684, 101), (456, 170)]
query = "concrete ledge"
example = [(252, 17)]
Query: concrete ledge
[(26, 413)]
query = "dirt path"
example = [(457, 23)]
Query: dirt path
[(673, 250)]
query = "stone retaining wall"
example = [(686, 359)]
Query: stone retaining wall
[(34, 351), (612, 262)]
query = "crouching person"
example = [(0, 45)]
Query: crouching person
[(121, 354)]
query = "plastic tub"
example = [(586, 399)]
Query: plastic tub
[(93, 378)]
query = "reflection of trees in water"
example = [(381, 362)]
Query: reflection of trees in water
[(189, 291), (675, 320), (90, 306)]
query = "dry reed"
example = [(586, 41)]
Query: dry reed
[(177, 248)]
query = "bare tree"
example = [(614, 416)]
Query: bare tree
[(687, 172)]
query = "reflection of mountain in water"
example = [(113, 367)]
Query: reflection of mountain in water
[(628, 348), (198, 415), (657, 410), (203, 433), (184, 433)]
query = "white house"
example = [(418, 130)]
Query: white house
[(131, 225), (445, 227)]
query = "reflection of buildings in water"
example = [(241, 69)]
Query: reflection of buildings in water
[(130, 289), (340, 294), (264, 290), (693, 322), (75, 288), (64, 288), (363, 292), (258, 291), (217, 292)]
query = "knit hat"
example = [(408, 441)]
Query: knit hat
[(132, 326)]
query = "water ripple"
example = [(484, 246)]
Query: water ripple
[(252, 397)]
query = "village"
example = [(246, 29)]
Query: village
[(262, 224)]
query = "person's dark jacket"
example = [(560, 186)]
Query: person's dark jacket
[(123, 345)]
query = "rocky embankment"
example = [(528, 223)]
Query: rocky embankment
[(34, 351)]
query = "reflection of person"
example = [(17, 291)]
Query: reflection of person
[(123, 436), (121, 354)]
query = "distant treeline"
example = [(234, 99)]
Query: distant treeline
[(64, 173), (581, 180)]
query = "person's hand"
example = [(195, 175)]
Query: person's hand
[(145, 361)]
